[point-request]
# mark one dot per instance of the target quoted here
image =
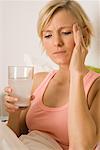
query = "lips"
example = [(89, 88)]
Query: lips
[(59, 52)]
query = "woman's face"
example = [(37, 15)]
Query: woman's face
[(57, 37)]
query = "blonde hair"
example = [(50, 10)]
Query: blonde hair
[(70, 5)]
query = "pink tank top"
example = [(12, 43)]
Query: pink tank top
[(53, 121)]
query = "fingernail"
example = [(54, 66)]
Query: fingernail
[(16, 99), (9, 89)]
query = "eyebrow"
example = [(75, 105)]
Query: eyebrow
[(68, 27)]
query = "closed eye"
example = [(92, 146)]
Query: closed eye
[(47, 36), (67, 33)]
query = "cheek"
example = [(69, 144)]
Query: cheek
[(70, 42), (48, 46)]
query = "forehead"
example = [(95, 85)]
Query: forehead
[(62, 18)]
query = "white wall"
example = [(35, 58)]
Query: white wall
[(19, 43), (92, 8)]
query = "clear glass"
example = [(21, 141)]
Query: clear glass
[(20, 79), (3, 112)]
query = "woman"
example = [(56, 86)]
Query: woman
[(65, 103)]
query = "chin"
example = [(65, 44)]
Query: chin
[(61, 62)]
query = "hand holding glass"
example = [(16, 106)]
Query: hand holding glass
[(20, 80)]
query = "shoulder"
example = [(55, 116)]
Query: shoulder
[(96, 84), (93, 79), (38, 78), (94, 90), (95, 108)]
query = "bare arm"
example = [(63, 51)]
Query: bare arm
[(17, 117), (81, 125), (17, 122), (95, 112), (82, 128)]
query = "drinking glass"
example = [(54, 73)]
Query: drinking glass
[(20, 79)]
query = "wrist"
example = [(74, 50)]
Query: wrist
[(76, 75), (14, 116)]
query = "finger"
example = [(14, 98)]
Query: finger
[(8, 91), (81, 40), (76, 33), (84, 45), (10, 99), (10, 106), (11, 110)]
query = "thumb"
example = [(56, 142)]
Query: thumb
[(8, 90)]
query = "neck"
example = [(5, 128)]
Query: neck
[(62, 76), (64, 67), (64, 70)]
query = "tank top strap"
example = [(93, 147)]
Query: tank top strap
[(89, 79), (44, 83)]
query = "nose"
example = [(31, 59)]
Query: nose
[(57, 40)]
